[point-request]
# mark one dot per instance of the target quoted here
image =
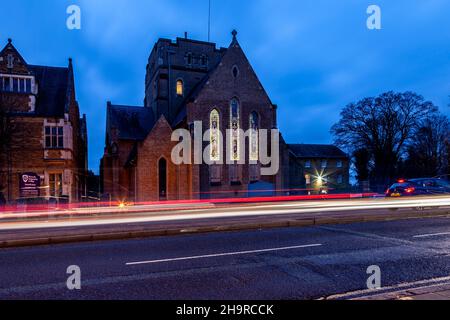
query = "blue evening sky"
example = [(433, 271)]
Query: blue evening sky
[(312, 56)]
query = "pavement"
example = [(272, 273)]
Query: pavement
[(312, 262)]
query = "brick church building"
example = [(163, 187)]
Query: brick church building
[(188, 82), (43, 139)]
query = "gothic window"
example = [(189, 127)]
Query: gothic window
[(214, 127), (254, 136), (235, 71), (180, 87), (235, 127)]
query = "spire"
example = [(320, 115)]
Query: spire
[(9, 40)]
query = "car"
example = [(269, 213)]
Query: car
[(417, 187)]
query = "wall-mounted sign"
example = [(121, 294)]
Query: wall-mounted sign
[(30, 184)]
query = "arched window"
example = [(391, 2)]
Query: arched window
[(162, 172), (235, 71), (180, 87), (214, 127), (254, 136), (235, 126)]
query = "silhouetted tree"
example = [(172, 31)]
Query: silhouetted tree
[(428, 153), (361, 162), (383, 125)]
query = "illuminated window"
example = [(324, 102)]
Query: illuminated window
[(214, 127), (235, 127), (254, 138), (308, 164), (308, 179), (180, 88), (339, 164), (55, 184), (324, 164), (340, 179)]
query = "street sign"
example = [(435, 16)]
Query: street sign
[(29, 185)]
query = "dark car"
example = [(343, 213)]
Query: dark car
[(417, 187)]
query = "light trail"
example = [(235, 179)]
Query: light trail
[(144, 214)]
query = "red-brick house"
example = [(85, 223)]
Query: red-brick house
[(44, 153), (189, 82)]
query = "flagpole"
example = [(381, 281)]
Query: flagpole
[(209, 21)]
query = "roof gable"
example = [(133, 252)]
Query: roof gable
[(222, 78), (19, 65), (316, 151), (131, 123)]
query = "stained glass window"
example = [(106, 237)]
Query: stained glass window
[(235, 126), (214, 127), (254, 138)]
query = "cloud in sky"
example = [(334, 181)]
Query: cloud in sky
[(313, 57)]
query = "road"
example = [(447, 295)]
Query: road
[(287, 263)]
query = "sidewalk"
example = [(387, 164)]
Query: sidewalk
[(434, 292)]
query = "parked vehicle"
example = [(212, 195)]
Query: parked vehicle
[(417, 187)]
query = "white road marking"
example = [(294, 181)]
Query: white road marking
[(223, 254), (432, 235)]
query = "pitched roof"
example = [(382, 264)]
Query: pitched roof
[(316, 151), (132, 123), (53, 88)]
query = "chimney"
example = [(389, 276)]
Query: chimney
[(185, 35)]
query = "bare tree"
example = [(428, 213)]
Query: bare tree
[(428, 153), (361, 163), (383, 125)]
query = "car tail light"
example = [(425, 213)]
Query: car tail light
[(410, 190)]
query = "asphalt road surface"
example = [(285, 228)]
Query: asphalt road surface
[(288, 263)]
